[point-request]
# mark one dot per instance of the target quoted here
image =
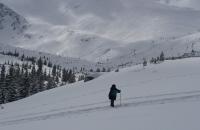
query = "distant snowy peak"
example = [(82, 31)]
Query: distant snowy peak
[(10, 19), (11, 23), (192, 4)]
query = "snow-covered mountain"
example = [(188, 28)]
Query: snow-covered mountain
[(12, 24), (192, 4), (13, 27), (162, 96), (111, 31)]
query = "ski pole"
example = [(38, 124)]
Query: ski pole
[(120, 99)]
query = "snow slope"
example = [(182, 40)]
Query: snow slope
[(163, 96)]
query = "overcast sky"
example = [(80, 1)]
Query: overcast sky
[(48, 10), (59, 12)]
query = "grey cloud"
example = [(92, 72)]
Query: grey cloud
[(47, 10)]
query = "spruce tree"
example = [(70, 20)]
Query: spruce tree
[(54, 71), (10, 89), (103, 69), (40, 66), (98, 70), (72, 77), (64, 76), (162, 56), (2, 84), (51, 83), (25, 85)]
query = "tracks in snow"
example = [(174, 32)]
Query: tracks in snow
[(102, 106)]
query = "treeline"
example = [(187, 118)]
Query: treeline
[(100, 70), (9, 53), (162, 57), (159, 59), (23, 58), (18, 81)]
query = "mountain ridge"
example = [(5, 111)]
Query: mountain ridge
[(11, 24)]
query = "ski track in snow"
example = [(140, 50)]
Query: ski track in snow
[(128, 102)]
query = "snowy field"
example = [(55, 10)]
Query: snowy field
[(159, 97)]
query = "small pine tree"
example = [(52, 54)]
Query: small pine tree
[(45, 62), (98, 70), (40, 66), (51, 83), (80, 78), (54, 71), (144, 62), (72, 77), (33, 71), (22, 57), (25, 85), (64, 76), (49, 65), (103, 69), (2, 84), (3, 73), (57, 79), (162, 56), (117, 70)]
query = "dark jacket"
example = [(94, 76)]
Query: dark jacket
[(113, 92)]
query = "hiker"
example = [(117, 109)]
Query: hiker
[(113, 94)]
